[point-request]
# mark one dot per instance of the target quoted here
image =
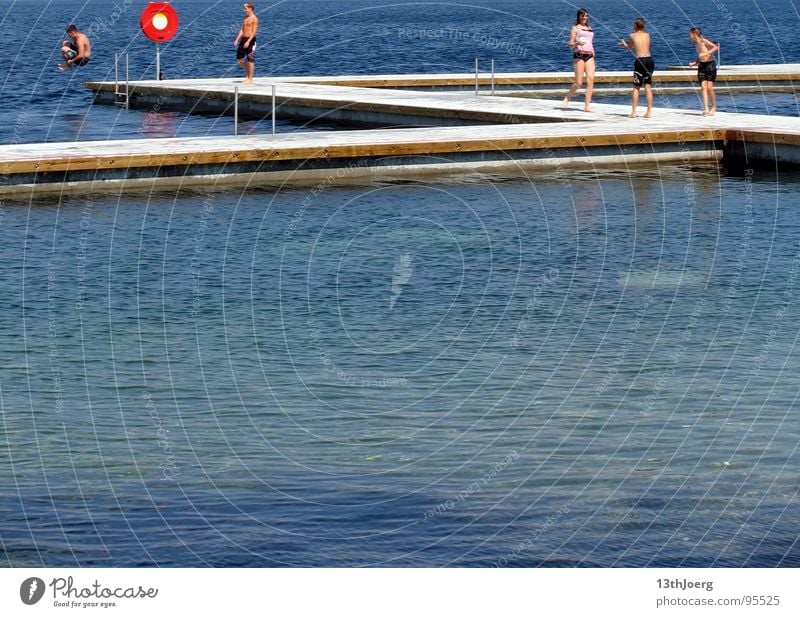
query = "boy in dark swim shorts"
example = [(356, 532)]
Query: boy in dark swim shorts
[(639, 43), (77, 50), (246, 43), (706, 69)]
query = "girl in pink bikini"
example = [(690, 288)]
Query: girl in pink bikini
[(581, 39)]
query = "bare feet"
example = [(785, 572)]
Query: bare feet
[(633, 115), (587, 110), (64, 67), (247, 81), (565, 102), (649, 114)]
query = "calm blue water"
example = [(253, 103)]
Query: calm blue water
[(572, 370), (335, 37)]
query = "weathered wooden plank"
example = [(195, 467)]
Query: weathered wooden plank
[(776, 136), (784, 73), (183, 151)]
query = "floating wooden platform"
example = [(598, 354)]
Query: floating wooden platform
[(465, 133), (765, 76), (373, 100)]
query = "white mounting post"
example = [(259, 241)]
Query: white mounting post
[(127, 85), (236, 111), (273, 110)]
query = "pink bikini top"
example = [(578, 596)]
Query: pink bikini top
[(585, 38)]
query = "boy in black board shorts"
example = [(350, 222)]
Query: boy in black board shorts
[(706, 68), (245, 43), (76, 51), (639, 43)]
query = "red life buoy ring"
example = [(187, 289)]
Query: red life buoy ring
[(159, 21)]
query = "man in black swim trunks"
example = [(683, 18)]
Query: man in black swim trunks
[(639, 43), (706, 69), (246, 43), (77, 50)]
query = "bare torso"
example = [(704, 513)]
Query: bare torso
[(639, 43), (249, 27), (704, 50), (83, 45)]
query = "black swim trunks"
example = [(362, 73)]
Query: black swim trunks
[(707, 71), (643, 71), (577, 55), (248, 52), (73, 51)]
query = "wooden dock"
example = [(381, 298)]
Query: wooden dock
[(762, 75), (408, 100), (455, 131)]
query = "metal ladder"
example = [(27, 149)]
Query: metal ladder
[(121, 90)]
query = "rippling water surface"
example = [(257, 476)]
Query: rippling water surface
[(574, 369), (341, 37)]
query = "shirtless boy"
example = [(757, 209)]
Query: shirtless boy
[(706, 68), (76, 51), (639, 43), (245, 43)]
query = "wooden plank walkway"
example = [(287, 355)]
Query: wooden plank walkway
[(348, 105), (762, 75), (514, 133), (374, 106), (93, 155)]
